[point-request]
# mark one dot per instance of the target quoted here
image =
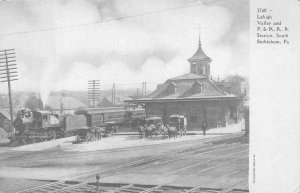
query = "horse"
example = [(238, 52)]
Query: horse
[(151, 130), (163, 131), (141, 129), (172, 131), (139, 125), (181, 131)]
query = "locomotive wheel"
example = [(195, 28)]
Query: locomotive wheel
[(23, 141), (51, 135), (33, 140)]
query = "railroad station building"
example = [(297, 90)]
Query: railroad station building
[(195, 95)]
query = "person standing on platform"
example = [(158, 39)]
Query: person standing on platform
[(204, 127), (98, 182)]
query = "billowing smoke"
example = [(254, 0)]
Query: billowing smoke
[(48, 79), (147, 48)]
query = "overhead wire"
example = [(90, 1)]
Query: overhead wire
[(107, 20)]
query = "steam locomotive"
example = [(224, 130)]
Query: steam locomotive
[(87, 125)]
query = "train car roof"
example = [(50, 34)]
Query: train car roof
[(111, 122), (153, 118), (106, 111), (178, 116), (140, 109), (43, 112)]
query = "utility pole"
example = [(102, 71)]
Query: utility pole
[(113, 94), (8, 73), (94, 91), (144, 88)]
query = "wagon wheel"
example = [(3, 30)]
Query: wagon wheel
[(14, 141), (117, 129), (93, 138), (111, 131), (87, 137)]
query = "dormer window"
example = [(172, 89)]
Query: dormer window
[(172, 88), (197, 87)]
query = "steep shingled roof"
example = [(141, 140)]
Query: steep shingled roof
[(199, 55), (189, 86), (185, 89), (187, 77)]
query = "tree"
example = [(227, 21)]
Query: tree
[(235, 82), (34, 103)]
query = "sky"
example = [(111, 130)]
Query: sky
[(61, 44)]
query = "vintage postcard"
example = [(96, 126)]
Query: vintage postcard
[(149, 96)]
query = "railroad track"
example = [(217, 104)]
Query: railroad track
[(135, 188), (71, 186), (166, 186)]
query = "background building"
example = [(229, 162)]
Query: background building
[(64, 105)]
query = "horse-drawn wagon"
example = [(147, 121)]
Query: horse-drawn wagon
[(178, 121), (111, 127), (150, 126)]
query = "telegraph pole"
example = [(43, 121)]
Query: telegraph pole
[(144, 88), (113, 94), (94, 91), (8, 73)]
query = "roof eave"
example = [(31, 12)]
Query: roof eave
[(185, 99)]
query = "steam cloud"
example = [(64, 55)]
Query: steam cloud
[(148, 48)]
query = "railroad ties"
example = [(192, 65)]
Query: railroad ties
[(140, 188), (54, 187)]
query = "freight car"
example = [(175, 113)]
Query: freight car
[(111, 119)]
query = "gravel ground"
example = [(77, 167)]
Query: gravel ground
[(25, 169), (10, 185)]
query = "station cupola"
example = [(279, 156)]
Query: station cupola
[(200, 62)]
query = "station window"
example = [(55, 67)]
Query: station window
[(204, 69), (45, 117)]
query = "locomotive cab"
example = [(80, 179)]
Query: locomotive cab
[(47, 119)]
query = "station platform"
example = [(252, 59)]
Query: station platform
[(229, 129)]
